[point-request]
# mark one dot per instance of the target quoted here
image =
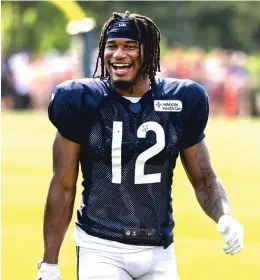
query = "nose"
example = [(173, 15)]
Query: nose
[(119, 53)]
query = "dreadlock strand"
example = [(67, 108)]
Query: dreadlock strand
[(139, 47), (155, 34)]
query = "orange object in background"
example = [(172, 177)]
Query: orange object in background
[(230, 101)]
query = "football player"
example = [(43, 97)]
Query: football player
[(126, 130)]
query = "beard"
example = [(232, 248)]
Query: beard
[(123, 85), (127, 85)]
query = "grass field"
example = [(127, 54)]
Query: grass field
[(26, 172)]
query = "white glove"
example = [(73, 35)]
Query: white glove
[(232, 232), (48, 272)]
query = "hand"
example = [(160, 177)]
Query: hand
[(48, 272), (232, 232)]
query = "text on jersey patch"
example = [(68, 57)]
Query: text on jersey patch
[(168, 105)]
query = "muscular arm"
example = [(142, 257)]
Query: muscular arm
[(61, 196), (209, 190)]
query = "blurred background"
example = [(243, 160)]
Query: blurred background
[(214, 43)]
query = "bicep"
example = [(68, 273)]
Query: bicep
[(65, 161), (197, 164)]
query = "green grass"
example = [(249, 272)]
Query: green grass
[(26, 172)]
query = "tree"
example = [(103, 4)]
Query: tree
[(230, 25), (34, 26), (38, 25)]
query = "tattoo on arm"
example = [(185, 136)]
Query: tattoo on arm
[(210, 192), (213, 199)]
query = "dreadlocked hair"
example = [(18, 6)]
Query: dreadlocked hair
[(152, 36)]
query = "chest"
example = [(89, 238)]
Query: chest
[(114, 126)]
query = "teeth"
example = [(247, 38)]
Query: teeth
[(121, 65)]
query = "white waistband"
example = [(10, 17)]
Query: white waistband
[(82, 239)]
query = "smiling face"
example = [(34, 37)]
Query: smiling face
[(122, 62)]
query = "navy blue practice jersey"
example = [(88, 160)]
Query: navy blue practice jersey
[(128, 153)]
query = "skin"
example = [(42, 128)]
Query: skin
[(61, 196), (123, 50), (209, 190)]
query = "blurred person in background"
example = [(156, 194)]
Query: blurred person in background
[(237, 82), (252, 66), (19, 64), (224, 74), (7, 89), (41, 83), (197, 67), (215, 77), (127, 129)]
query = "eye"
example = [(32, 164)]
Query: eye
[(131, 47), (110, 47)]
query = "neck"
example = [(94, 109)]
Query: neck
[(139, 89)]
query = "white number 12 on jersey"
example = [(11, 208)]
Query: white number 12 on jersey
[(140, 177)]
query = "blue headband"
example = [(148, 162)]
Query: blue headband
[(124, 28)]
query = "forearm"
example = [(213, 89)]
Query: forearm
[(57, 217), (210, 192), (213, 199)]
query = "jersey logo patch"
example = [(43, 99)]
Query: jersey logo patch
[(141, 234), (167, 105)]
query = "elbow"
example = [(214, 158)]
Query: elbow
[(62, 184)]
